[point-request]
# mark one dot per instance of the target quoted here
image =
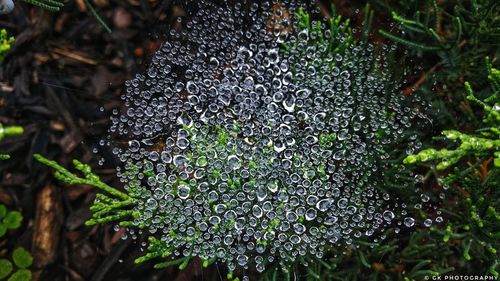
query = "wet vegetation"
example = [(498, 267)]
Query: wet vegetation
[(227, 140)]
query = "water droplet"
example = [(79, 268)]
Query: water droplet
[(388, 215), (409, 222), (183, 191)]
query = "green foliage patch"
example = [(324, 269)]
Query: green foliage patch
[(9, 220), (17, 271), (21, 259), (485, 143)]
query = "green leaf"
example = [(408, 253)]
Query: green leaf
[(3, 230), (13, 220), (21, 275), (5, 268), (22, 258), (3, 211)]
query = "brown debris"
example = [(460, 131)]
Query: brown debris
[(57, 125), (47, 228), (5, 198), (122, 18), (77, 56), (81, 5), (70, 141), (378, 266), (61, 22), (101, 3)]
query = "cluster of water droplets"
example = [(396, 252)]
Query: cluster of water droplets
[(241, 149)]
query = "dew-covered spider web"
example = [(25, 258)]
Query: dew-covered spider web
[(254, 138)]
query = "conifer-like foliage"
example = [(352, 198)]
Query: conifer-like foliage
[(50, 5), (484, 144), (454, 37), (111, 205), (475, 176), (459, 34)]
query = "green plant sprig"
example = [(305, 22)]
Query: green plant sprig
[(89, 178), (336, 25), (426, 28), (50, 5), (476, 226), (487, 143), (106, 209), (10, 130)]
